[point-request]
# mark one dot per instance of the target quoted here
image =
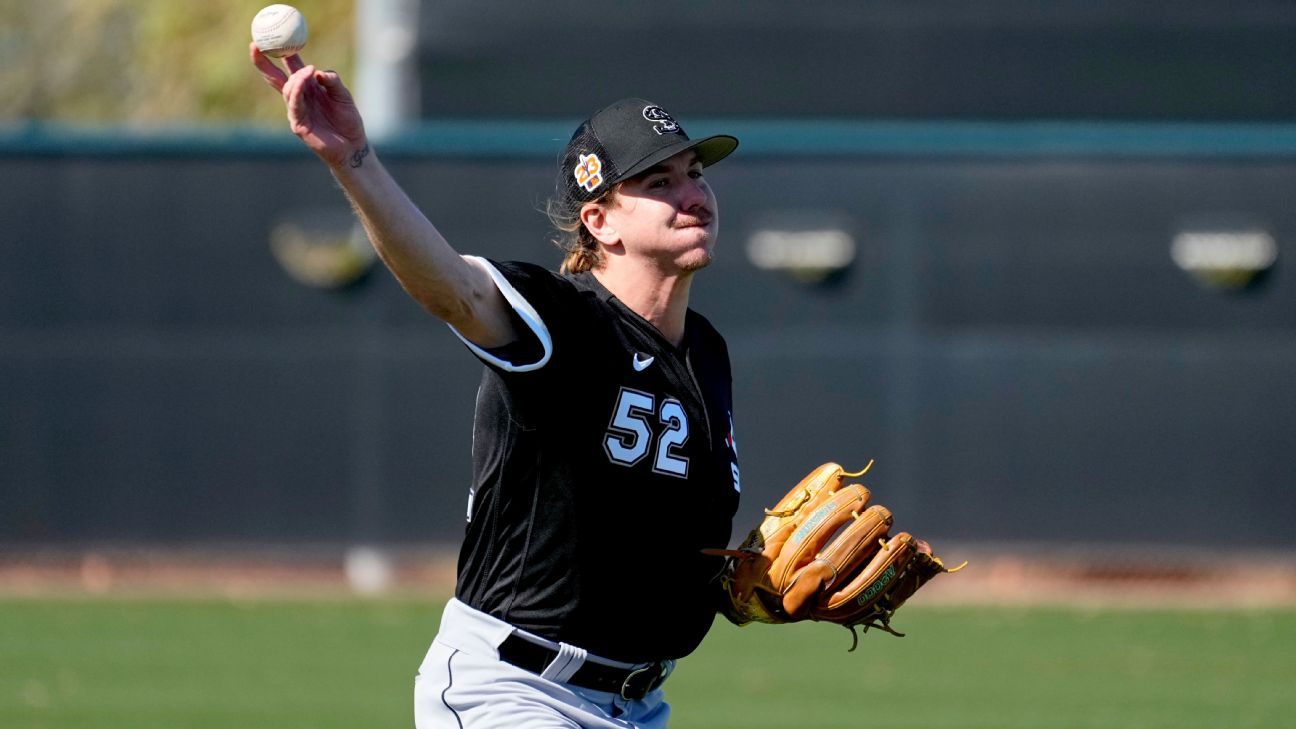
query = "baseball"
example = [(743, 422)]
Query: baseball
[(279, 30)]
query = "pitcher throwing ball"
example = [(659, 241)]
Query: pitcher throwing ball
[(604, 407), (605, 471)]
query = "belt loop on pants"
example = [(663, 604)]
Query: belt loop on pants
[(631, 682)]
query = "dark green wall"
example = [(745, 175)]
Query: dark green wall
[(1204, 60), (1013, 345)]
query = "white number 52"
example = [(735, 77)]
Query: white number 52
[(630, 434)]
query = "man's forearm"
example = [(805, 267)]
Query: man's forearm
[(422, 261)]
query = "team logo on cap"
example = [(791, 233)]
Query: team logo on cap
[(589, 173), (663, 123)]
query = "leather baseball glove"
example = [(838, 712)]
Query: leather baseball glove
[(822, 553)]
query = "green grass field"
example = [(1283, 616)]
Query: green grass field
[(82, 663)]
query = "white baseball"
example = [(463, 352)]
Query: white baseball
[(279, 30)]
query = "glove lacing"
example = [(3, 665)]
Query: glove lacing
[(806, 495)]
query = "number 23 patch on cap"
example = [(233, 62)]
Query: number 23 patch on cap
[(589, 173)]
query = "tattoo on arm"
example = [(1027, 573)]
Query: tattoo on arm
[(357, 158)]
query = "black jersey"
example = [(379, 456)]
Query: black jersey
[(604, 462)]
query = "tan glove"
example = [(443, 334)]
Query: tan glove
[(823, 554)]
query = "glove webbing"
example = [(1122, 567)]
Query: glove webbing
[(880, 618)]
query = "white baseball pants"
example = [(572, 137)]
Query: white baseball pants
[(463, 684)]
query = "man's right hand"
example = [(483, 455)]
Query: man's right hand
[(321, 111)]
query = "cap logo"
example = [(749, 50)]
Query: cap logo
[(663, 123), (589, 173)]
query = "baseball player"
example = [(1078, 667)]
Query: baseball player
[(604, 459)]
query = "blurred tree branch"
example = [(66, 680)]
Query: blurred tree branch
[(150, 62)]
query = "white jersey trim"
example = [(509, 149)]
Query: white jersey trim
[(524, 310)]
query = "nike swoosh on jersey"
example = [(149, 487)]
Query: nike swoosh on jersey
[(642, 364)]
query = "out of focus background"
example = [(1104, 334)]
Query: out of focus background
[(1030, 257)]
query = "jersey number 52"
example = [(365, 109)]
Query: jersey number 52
[(630, 434)]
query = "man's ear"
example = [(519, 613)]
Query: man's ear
[(595, 219)]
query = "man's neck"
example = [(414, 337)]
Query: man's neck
[(661, 300)]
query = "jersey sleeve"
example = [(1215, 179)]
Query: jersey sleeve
[(534, 295)]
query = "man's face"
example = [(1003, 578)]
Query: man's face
[(668, 214)]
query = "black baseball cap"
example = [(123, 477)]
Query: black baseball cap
[(624, 139)]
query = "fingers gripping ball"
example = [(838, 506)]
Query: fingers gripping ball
[(822, 553), (279, 30)]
